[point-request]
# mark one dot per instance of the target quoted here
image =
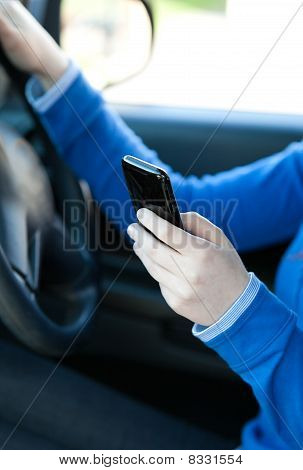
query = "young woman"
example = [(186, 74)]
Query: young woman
[(200, 274)]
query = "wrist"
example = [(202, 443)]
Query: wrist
[(232, 315), (229, 298), (51, 76)]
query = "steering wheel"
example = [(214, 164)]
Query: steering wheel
[(48, 292)]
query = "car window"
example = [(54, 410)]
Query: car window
[(217, 54)]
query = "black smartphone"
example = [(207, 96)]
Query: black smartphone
[(150, 187)]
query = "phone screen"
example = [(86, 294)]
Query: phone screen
[(150, 187)]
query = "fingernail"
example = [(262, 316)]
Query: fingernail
[(131, 231), (140, 214)]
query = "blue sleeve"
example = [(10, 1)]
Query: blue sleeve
[(265, 347), (256, 205)]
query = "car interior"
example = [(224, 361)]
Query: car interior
[(133, 342)]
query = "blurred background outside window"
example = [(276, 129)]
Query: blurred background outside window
[(205, 52)]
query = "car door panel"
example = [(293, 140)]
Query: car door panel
[(222, 141)]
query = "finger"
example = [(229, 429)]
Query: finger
[(202, 228), (157, 272), (153, 248), (168, 233)]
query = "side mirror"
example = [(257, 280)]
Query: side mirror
[(111, 40)]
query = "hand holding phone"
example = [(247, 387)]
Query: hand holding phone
[(150, 188)]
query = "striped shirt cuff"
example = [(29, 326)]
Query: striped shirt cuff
[(42, 101), (232, 314)]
